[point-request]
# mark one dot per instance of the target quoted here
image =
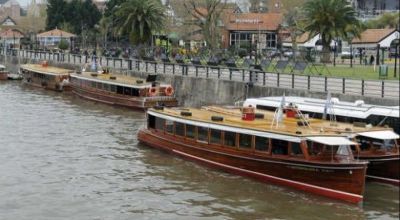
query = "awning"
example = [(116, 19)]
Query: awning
[(332, 141), (382, 135)]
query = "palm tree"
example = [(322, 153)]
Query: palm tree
[(139, 18), (331, 19)]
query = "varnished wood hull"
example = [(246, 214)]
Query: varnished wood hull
[(384, 169), (3, 75), (344, 182), (126, 101)]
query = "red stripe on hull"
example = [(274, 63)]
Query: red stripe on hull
[(262, 170), (3, 76)]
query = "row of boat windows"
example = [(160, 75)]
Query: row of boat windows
[(225, 138), (106, 87), (41, 76)]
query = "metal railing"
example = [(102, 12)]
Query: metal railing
[(369, 88)]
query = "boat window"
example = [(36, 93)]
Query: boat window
[(230, 138), (262, 143), (279, 147), (113, 88), (159, 125), (179, 129), (296, 149), (120, 90), (106, 87), (314, 148), (190, 131), (245, 141), (151, 121), (135, 92), (215, 136), (367, 143), (93, 84), (202, 134), (169, 126), (127, 91), (99, 85)]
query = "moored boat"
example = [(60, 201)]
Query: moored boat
[(122, 90), (3, 73), (379, 145), (289, 154), (45, 76)]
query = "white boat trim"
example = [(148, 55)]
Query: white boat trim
[(147, 85), (381, 135), (331, 141)]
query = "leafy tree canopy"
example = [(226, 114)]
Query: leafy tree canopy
[(78, 14), (387, 20)]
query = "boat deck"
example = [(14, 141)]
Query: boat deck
[(38, 68), (120, 79), (291, 123)]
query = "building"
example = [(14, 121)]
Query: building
[(371, 38), (257, 30), (50, 39), (368, 9), (11, 38), (10, 9)]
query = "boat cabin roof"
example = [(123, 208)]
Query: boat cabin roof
[(349, 129), (288, 130), (115, 79), (49, 70), (357, 109)]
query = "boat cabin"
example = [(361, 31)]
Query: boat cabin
[(250, 137)]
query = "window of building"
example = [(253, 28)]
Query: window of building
[(202, 134), (93, 85), (262, 143), (190, 131), (245, 141), (279, 147), (271, 40), (240, 39), (179, 129), (215, 136), (230, 139)]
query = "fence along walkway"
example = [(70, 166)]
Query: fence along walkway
[(371, 88)]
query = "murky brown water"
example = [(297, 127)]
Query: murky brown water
[(62, 157)]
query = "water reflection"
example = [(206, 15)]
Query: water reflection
[(64, 157)]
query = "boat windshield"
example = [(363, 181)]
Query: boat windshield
[(367, 143)]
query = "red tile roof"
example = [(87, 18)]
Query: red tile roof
[(11, 33), (373, 36), (253, 21), (56, 33)]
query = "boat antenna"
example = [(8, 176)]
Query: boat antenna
[(328, 108)]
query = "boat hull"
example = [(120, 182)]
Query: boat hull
[(384, 169), (338, 182), (120, 100), (3, 75)]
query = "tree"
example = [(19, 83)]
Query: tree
[(331, 19), (207, 17), (139, 18), (387, 20), (63, 44), (293, 22), (56, 10)]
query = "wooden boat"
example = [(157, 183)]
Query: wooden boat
[(14, 76), (45, 76), (122, 90), (377, 144), (288, 154), (3, 73)]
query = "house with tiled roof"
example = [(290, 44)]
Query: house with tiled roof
[(259, 29), (53, 37), (371, 38), (11, 38)]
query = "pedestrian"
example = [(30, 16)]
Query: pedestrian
[(371, 59)]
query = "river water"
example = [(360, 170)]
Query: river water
[(62, 157)]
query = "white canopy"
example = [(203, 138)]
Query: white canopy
[(332, 141), (382, 135)]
